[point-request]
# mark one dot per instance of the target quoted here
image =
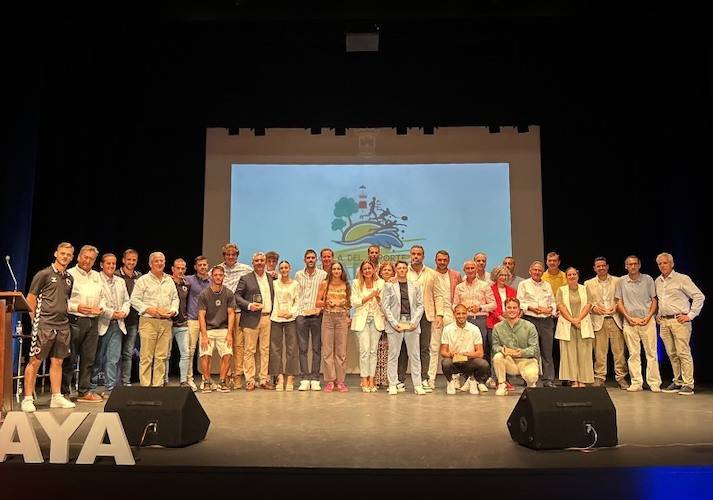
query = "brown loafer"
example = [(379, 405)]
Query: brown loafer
[(90, 397), (266, 385)]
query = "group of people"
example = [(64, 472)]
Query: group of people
[(482, 325)]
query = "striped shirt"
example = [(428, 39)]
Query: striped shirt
[(309, 285), (233, 274), (478, 293)]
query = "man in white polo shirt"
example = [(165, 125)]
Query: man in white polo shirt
[(462, 351)]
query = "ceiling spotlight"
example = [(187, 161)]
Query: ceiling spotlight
[(494, 129), (259, 131), (233, 131), (340, 131), (401, 130), (315, 130)]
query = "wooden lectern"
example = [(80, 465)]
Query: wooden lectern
[(10, 302)]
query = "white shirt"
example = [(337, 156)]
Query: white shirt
[(606, 291), (533, 293), (286, 299), (674, 293), (87, 291), (265, 292), (152, 291), (461, 339), (445, 282), (309, 286)]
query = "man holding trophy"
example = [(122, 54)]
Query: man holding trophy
[(255, 295)]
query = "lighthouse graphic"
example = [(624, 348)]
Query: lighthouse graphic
[(375, 225)]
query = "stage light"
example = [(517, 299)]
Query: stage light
[(401, 130), (315, 130), (259, 131), (340, 131), (428, 130), (233, 131), (523, 129), (494, 129)]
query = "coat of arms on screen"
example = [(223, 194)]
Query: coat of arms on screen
[(368, 221)]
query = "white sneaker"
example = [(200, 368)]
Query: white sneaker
[(393, 391), (426, 386), (456, 380), (465, 386), (482, 388), (634, 388), (192, 385), (59, 401), (419, 390), (502, 390), (473, 386), (450, 388), (431, 383), (315, 386), (304, 386), (400, 387), (28, 405)]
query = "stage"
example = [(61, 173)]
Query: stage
[(299, 437)]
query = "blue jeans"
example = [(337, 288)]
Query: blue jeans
[(127, 352), (108, 357), (180, 333)]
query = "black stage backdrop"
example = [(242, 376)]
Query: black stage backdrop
[(106, 130)]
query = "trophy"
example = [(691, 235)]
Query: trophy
[(405, 321)]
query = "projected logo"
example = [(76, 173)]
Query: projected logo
[(367, 222)]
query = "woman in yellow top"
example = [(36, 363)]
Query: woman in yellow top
[(333, 298)]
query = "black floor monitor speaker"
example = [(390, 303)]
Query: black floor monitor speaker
[(564, 417), (179, 417)]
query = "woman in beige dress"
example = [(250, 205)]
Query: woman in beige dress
[(575, 331)]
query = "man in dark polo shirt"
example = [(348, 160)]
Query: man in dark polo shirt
[(216, 319), (129, 273), (48, 295), (179, 330)]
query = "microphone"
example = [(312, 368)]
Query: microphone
[(12, 274)]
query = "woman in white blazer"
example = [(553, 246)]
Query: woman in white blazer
[(367, 321), (575, 331), (402, 303)]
